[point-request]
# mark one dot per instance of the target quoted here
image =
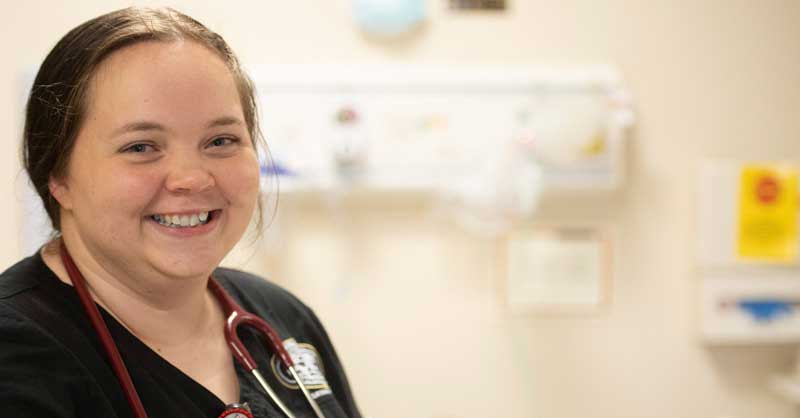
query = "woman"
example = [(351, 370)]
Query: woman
[(140, 138)]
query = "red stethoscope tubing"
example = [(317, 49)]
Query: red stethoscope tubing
[(105, 336), (238, 316), (234, 313)]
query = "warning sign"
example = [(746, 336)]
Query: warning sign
[(767, 226)]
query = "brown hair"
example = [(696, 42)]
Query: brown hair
[(57, 102)]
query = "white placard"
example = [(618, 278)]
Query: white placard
[(557, 270)]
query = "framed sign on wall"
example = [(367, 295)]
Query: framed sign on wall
[(558, 269)]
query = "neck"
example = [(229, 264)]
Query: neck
[(163, 312)]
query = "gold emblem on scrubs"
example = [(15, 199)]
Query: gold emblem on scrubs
[(307, 363)]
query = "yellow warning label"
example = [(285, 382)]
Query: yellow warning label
[(767, 227)]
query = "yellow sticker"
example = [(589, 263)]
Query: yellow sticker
[(767, 227)]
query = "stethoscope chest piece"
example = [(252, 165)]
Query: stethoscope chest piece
[(236, 411)]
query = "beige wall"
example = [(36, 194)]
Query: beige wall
[(413, 304)]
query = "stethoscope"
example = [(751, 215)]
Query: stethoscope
[(236, 316)]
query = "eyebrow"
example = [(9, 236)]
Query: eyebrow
[(139, 126), (145, 125), (224, 121)]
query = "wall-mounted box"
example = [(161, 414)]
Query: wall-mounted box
[(747, 253), (730, 231)]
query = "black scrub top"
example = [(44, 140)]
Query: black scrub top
[(52, 364)]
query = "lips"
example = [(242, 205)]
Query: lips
[(183, 220)]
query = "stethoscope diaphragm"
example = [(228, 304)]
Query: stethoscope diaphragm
[(236, 410)]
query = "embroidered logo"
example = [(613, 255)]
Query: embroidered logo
[(307, 364)]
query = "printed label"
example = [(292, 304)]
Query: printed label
[(307, 364)]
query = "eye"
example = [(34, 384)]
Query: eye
[(138, 148), (222, 141)]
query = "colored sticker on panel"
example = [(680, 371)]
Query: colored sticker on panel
[(767, 227)]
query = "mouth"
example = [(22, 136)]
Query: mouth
[(185, 220)]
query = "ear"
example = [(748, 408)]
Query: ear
[(60, 191)]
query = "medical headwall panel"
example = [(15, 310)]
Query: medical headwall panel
[(396, 128)]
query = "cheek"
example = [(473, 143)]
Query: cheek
[(125, 190), (240, 182)]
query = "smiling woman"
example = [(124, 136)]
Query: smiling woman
[(140, 138), (153, 120)]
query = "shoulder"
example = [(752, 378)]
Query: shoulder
[(253, 291), (26, 337), (282, 309), (32, 314), (49, 369), (27, 308), (24, 275), (41, 376), (37, 319), (27, 303)]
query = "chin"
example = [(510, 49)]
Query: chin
[(186, 272), (187, 267)]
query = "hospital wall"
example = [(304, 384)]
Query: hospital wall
[(414, 304)]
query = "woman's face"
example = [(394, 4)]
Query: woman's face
[(163, 176)]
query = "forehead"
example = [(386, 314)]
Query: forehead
[(162, 80)]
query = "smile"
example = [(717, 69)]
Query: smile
[(186, 220)]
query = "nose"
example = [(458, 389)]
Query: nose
[(189, 177)]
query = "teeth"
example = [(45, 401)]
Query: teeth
[(182, 221)]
